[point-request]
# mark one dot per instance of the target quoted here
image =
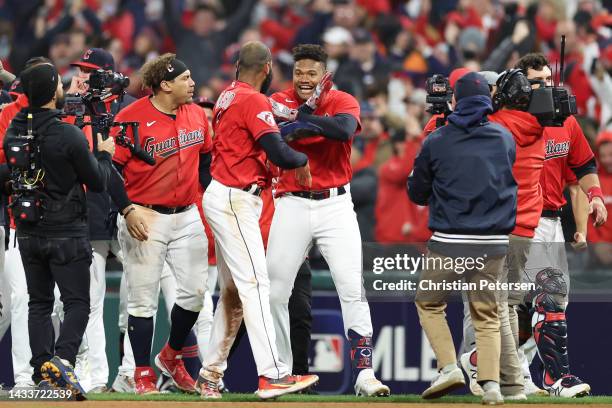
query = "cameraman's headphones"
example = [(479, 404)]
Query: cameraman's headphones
[(513, 89)]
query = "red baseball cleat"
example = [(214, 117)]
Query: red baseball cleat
[(170, 362), (145, 379), (271, 388)]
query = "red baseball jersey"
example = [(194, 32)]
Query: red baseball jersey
[(176, 144), (527, 133), (329, 160), (6, 116), (566, 148), (241, 116)]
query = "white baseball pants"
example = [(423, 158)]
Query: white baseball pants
[(233, 215), (332, 224), (177, 239)]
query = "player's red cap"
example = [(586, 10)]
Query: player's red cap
[(96, 58), (456, 74), (603, 137)]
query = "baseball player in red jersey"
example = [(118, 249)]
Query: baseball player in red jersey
[(160, 221), (245, 136), (322, 213), (565, 148)]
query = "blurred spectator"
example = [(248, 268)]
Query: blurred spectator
[(370, 147), (202, 45), (365, 70), (146, 46), (337, 42), (602, 236), (397, 218), (36, 26), (329, 13)]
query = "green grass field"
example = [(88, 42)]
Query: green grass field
[(231, 397)]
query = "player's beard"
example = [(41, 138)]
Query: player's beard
[(266, 83)]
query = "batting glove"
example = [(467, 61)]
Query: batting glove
[(320, 92), (283, 112)]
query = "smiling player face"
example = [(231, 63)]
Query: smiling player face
[(307, 74)]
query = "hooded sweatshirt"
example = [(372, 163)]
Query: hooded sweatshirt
[(530, 153), (68, 164), (464, 174)]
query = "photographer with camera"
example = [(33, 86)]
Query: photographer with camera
[(49, 162), (13, 267), (464, 174), (95, 67)]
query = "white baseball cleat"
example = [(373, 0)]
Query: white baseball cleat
[(471, 370), (124, 383), (444, 383), (569, 386), (371, 387), (531, 389)]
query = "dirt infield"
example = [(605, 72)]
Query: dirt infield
[(212, 404)]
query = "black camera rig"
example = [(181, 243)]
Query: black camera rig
[(552, 105), (439, 95), (101, 104)]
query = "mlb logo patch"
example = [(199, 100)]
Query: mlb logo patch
[(328, 353)]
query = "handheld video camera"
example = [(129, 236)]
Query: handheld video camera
[(552, 105), (101, 103), (439, 95)]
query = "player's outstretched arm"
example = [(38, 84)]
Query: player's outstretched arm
[(279, 152)]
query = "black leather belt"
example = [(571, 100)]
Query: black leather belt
[(551, 213), (317, 195), (254, 189), (165, 210)]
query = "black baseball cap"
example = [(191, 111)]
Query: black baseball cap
[(204, 102), (471, 84), (362, 36), (96, 58)]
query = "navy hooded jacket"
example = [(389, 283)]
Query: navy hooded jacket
[(464, 174)]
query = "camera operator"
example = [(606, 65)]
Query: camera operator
[(464, 174), (13, 267), (102, 217), (49, 206)]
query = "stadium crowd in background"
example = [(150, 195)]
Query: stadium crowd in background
[(380, 51)]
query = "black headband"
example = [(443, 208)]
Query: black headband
[(175, 68)]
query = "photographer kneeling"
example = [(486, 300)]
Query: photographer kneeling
[(49, 162), (464, 174)]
